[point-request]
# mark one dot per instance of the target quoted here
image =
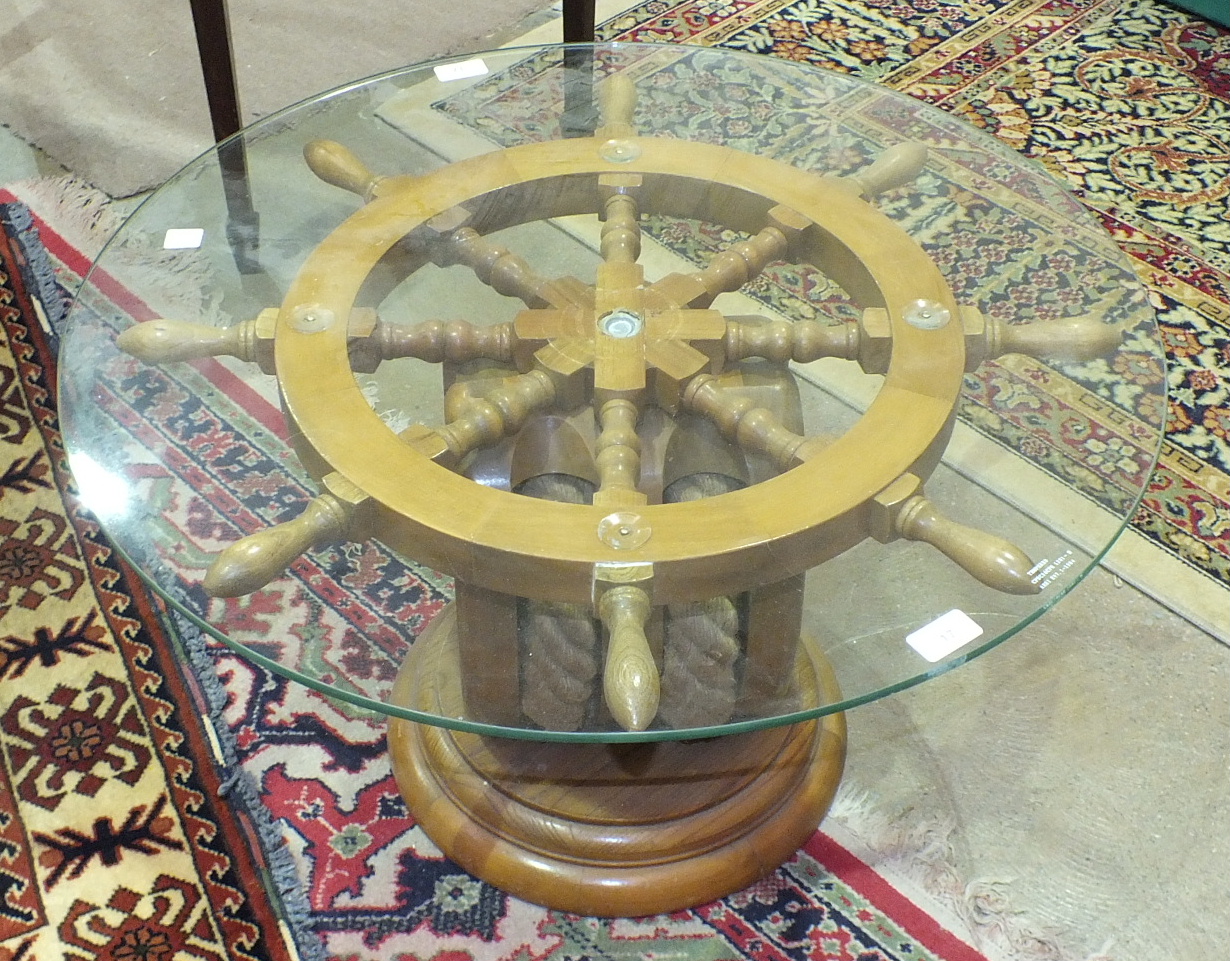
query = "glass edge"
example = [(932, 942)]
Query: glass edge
[(386, 709)]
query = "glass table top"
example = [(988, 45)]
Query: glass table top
[(613, 392)]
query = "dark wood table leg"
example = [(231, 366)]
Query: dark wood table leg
[(579, 21), (213, 40), (580, 118)]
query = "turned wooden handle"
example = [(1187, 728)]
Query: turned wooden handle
[(897, 166), (630, 682), (162, 341), (618, 104), (253, 561), (991, 559), (338, 165), (1068, 339)]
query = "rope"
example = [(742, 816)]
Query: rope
[(559, 641), (701, 648)]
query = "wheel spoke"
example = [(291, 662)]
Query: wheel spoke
[(903, 510), (618, 108), (489, 418), (782, 341), (338, 165), (739, 263), (755, 428), (621, 228), (499, 268), (1064, 339), (164, 341), (895, 167), (338, 513), (433, 341), (618, 456)]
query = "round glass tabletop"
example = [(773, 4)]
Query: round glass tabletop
[(614, 392)]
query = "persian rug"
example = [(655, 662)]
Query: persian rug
[(373, 886), (124, 833), (100, 714)]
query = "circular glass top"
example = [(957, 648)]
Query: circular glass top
[(615, 392)]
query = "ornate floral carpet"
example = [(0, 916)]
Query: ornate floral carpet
[(121, 836), (135, 842)]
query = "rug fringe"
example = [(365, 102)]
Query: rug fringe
[(175, 282), (923, 854), (47, 296), (78, 212)]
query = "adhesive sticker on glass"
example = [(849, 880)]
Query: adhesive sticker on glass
[(461, 71), (183, 238), (944, 635)]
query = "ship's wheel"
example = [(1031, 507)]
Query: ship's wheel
[(623, 489)]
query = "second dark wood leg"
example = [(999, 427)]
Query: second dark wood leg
[(579, 21)]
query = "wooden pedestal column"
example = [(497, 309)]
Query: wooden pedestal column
[(612, 830)]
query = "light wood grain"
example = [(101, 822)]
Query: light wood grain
[(610, 830)]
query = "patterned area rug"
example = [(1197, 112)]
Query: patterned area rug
[(1151, 84), (123, 833)]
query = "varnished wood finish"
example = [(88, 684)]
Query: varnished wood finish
[(630, 682), (618, 456), (251, 562), (487, 634), (432, 513), (902, 510), (162, 341), (612, 830)]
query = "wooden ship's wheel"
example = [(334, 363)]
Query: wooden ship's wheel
[(624, 492)]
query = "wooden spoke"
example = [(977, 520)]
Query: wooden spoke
[(491, 417), (165, 341), (903, 510), (630, 683), (1066, 339), (742, 421), (253, 561), (621, 231), (618, 108), (338, 165), (895, 167), (781, 341), (618, 456), (497, 267), (739, 263), (435, 341)]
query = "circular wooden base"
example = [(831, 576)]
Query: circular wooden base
[(608, 829)]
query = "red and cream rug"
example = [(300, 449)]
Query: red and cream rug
[(162, 798)]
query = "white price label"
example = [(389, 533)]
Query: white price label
[(943, 636), (462, 70), (183, 238)]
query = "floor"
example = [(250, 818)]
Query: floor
[(1073, 783)]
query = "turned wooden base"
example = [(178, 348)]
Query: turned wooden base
[(612, 830)]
